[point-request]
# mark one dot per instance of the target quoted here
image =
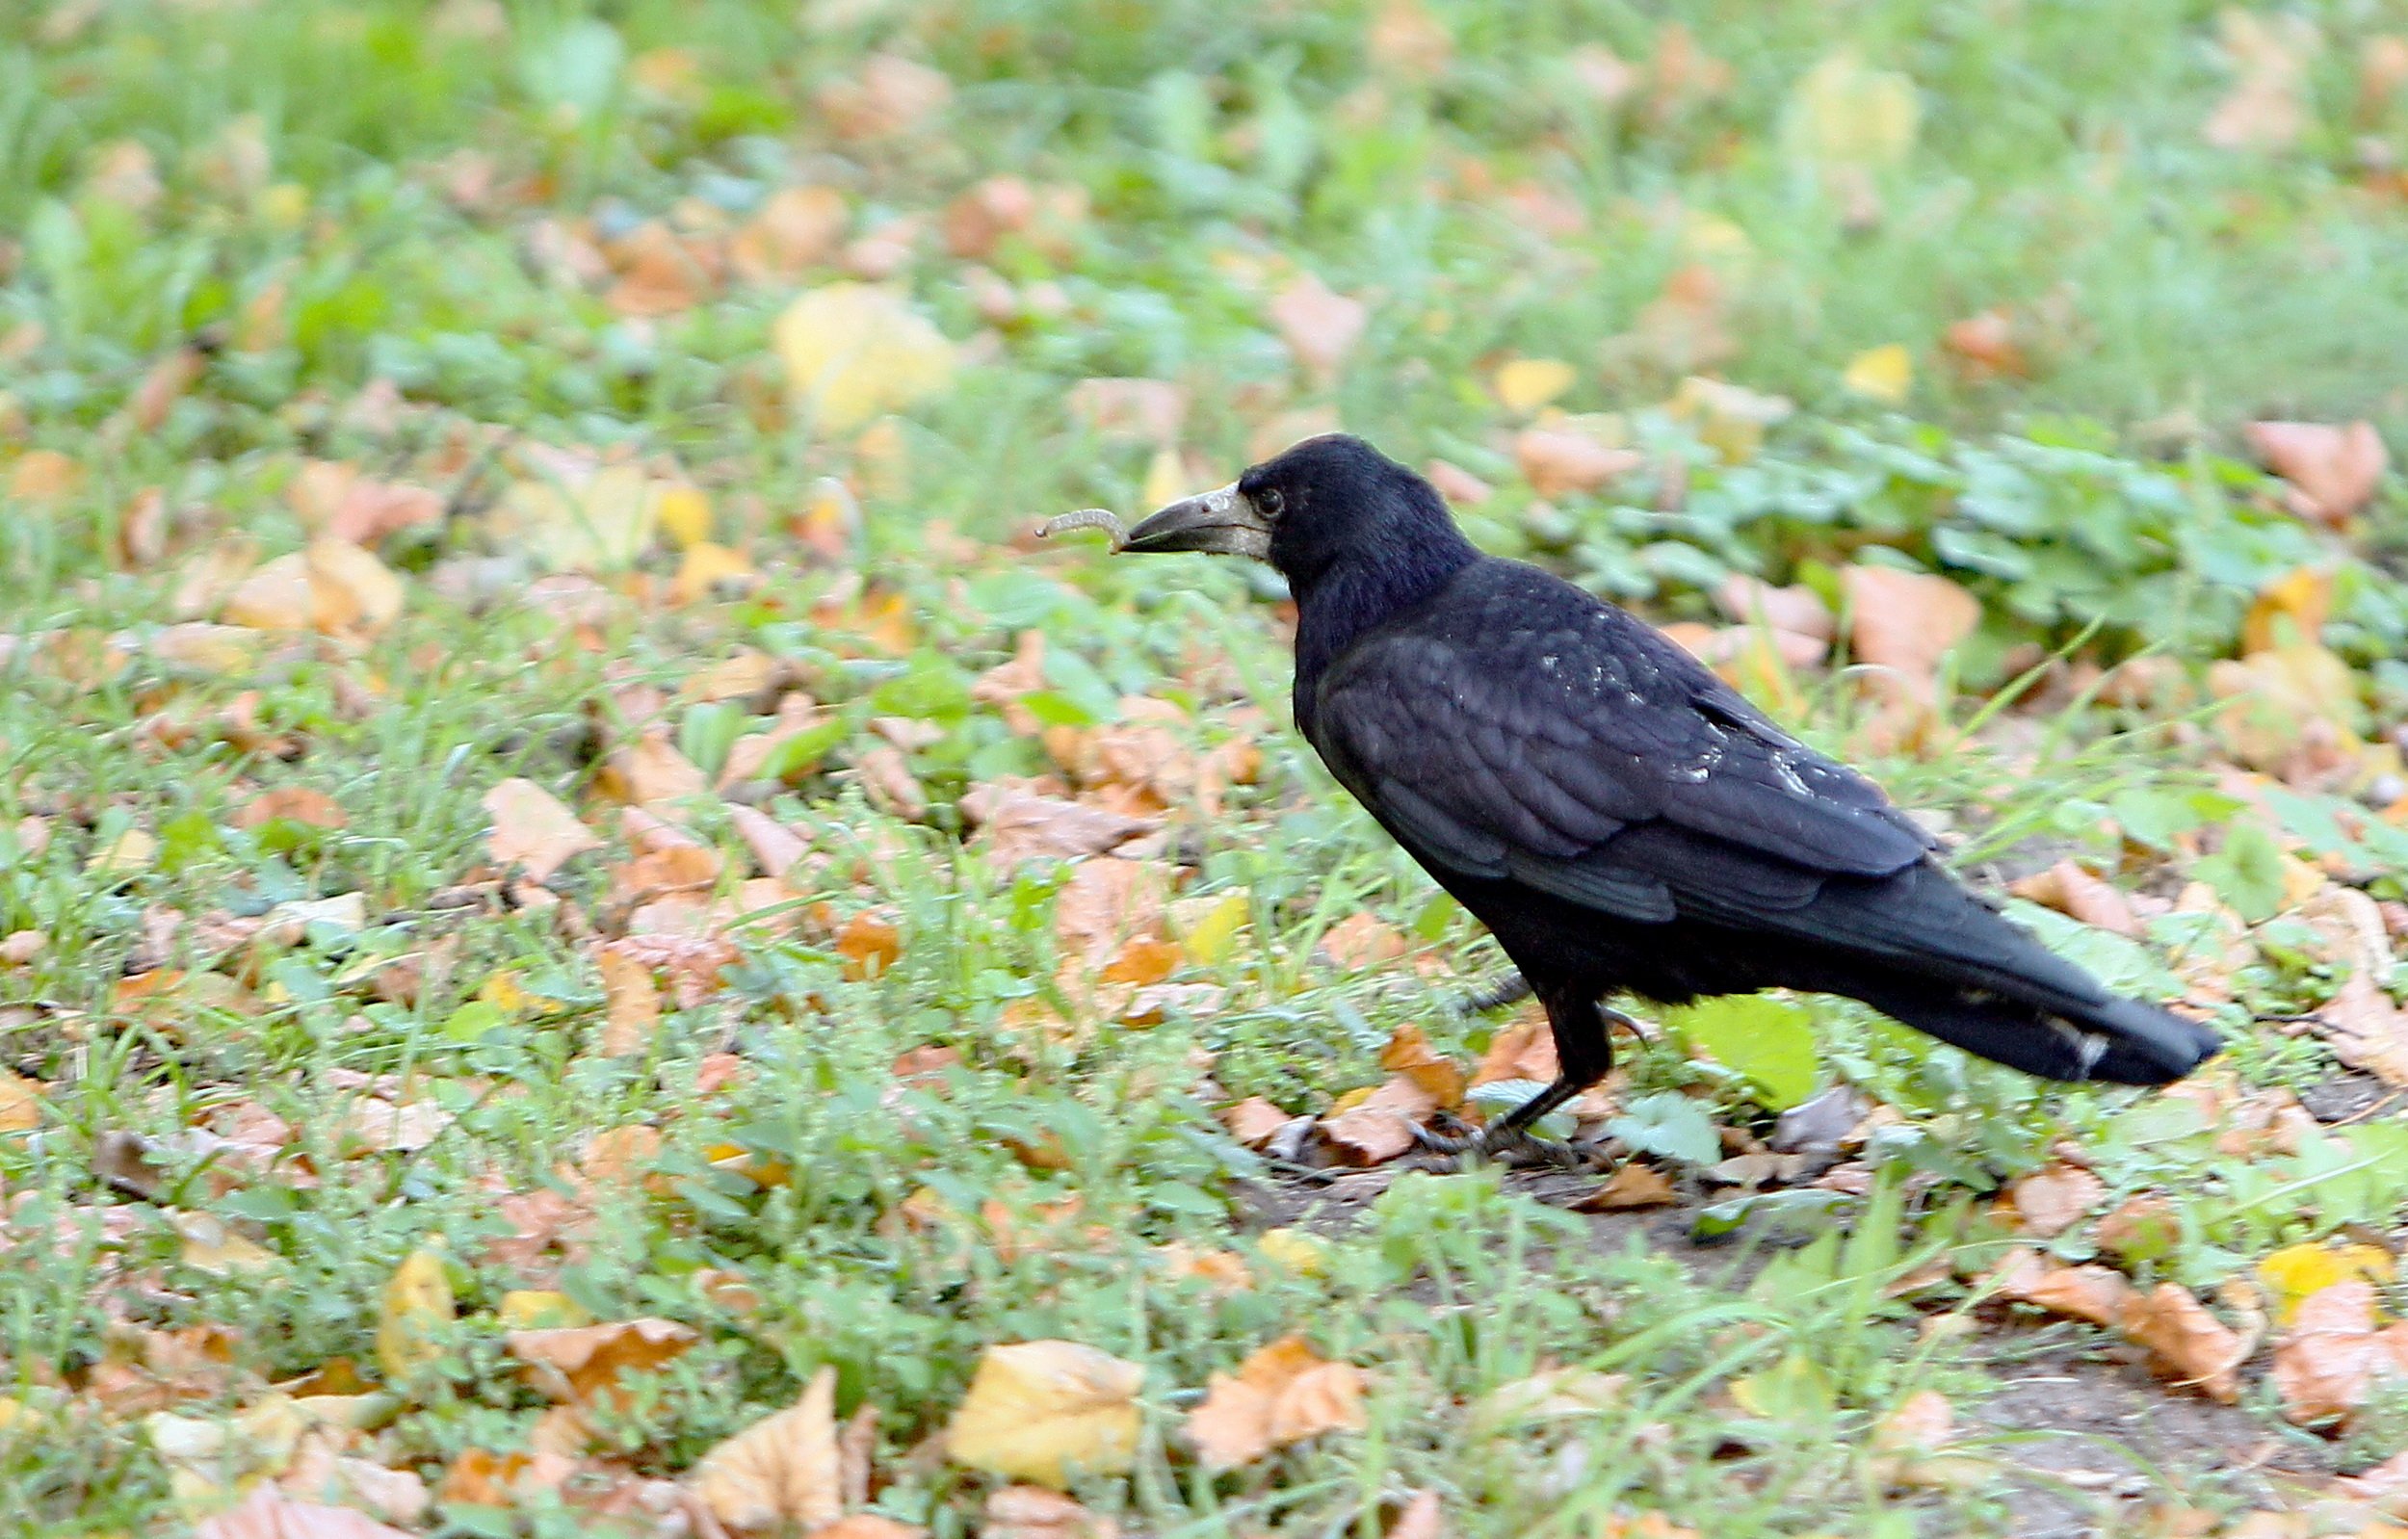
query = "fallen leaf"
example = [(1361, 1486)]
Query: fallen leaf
[(886, 96), (293, 804), (1557, 462), (1282, 1394), (1885, 374), (869, 1526), (1361, 941), (1320, 325), (797, 228), (1251, 1122), (2091, 1293), (869, 943), (577, 1364), (1727, 418), (571, 514), (2333, 472), (781, 1469), (20, 1103), (1040, 1410), (1908, 621), (269, 1513), (1551, 1395), (415, 1311), (1015, 825), (1420, 1519), (1147, 410), (533, 830), (1845, 113), (2266, 108), (2296, 1272), (631, 1004), (1105, 902), (2189, 1345), (1032, 1512), (332, 586), (2328, 1364), (1296, 1251), (1458, 485), (1633, 1185), (2289, 611), (1379, 1126), (2053, 1199), (1408, 1053), (1526, 385), (2073, 891), (1984, 346), (854, 351)]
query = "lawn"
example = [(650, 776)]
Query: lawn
[(596, 938)]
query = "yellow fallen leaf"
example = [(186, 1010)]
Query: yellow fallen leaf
[(130, 851), (1300, 1253), (531, 829), (418, 1305), (577, 516), (2289, 611), (578, 1364), (1846, 114), (1883, 373), (1212, 934), (333, 587), (853, 351), (685, 514), (210, 1246), (1729, 418), (2296, 1271), (1038, 1410), (1526, 385), (782, 1469), (526, 1309), (704, 567)]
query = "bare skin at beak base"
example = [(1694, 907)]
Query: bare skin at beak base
[(1220, 522)]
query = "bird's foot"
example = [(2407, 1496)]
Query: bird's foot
[(1515, 1148), (1509, 987)]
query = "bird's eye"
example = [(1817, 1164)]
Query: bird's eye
[(1269, 502)]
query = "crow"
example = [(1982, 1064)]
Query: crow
[(1621, 820)]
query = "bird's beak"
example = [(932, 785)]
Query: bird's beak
[(1221, 522)]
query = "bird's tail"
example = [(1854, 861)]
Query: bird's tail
[(2117, 1040)]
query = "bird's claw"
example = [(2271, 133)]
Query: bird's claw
[(1515, 1148)]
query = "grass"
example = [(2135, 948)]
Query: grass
[(362, 214)]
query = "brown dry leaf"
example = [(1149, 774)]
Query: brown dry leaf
[(1147, 410), (2333, 471), (2189, 1345), (1522, 1050), (1908, 621), (1361, 941), (1251, 1121), (1038, 1411), (2328, 1362), (776, 847), (888, 95), (1633, 1185), (2365, 1029), (1458, 485), (1408, 1053), (1379, 1126), (1016, 825), (869, 1526), (2071, 890), (2095, 1293), (1320, 325), (333, 499), (797, 228), (2053, 1198), (782, 1469), (269, 1513), (20, 1103), (631, 1004), (1032, 1512), (652, 770), (533, 830), (1557, 462), (1106, 900), (1282, 1394), (332, 586), (885, 777), (575, 1365), (1798, 610)]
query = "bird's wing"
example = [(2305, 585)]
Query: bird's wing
[(1599, 764)]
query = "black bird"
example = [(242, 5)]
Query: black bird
[(1621, 818)]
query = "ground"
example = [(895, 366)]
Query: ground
[(596, 937)]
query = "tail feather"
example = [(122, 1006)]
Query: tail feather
[(2118, 1041)]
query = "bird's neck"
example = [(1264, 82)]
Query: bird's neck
[(1368, 588)]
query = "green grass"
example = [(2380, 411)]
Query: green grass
[(306, 156)]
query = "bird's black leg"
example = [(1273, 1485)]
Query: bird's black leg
[(1583, 1053), (1511, 988)]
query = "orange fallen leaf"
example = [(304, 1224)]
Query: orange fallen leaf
[(1633, 1185), (1361, 941), (1983, 346), (1251, 1122), (297, 804), (531, 830), (575, 1365), (269, 1513), (1040, 1410), (1379, 1126), (1420, 1519), (631, 1004), (1408, 1053), (1283, 1393), (2329, 1362), (2095, 1293), (2189, 1345), (782, 1469), (869, 943), (2333, 472), (2295, 603)]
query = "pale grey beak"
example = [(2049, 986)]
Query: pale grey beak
[(1221, 522)]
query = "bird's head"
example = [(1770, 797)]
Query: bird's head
[(1306, 509)]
